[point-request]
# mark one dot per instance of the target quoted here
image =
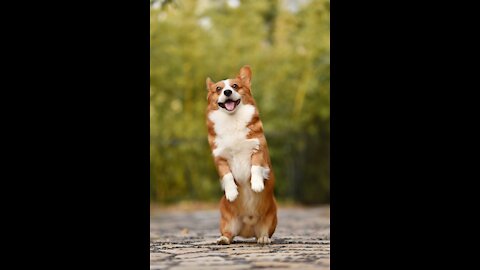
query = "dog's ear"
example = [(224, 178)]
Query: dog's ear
[(209, 83), (245, 75)]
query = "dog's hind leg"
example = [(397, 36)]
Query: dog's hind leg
[(265, 228), (230, 225)]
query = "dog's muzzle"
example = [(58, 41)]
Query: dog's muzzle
[(229, 104)]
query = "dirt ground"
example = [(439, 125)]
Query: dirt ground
[(186, 240)]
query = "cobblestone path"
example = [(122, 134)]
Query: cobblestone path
[(186, 240)]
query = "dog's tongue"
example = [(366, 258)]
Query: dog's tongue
[(230, 105)]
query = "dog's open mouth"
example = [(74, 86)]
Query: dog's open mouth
[(229, 104)]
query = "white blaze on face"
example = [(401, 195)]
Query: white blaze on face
[(230, 104), (227, 85), (222, 98)]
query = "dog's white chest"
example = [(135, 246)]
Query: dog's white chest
[(231, 139)]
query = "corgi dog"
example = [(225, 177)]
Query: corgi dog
[(235, 134)]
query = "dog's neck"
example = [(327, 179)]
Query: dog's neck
[(225, 122)]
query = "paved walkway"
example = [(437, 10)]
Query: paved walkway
[(186, 240)]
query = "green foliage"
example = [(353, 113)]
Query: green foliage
[(288, 48)]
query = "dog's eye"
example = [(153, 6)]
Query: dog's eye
[(234, 86), (219, 88)]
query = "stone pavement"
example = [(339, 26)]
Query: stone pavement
[(186, 240)]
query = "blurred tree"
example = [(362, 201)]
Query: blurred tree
[(287, 44)]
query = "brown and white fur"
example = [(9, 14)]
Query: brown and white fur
[(239, 147)]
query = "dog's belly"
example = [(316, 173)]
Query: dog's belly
[(247, 231), (248, 210), (248, 215), (240, 164), (248, 202)]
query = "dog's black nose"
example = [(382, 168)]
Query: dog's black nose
[(227, 92)]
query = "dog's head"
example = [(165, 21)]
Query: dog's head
[(227, 95)]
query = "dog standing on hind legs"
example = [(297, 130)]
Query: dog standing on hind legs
[(235, 134)]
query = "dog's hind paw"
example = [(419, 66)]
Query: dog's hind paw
[(264, 240), (222, 240)]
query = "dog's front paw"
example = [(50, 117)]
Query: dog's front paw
[(230, 187), (257, 183), (257, 173), (231, 194)]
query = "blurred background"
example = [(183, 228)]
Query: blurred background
[(287, 45)]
